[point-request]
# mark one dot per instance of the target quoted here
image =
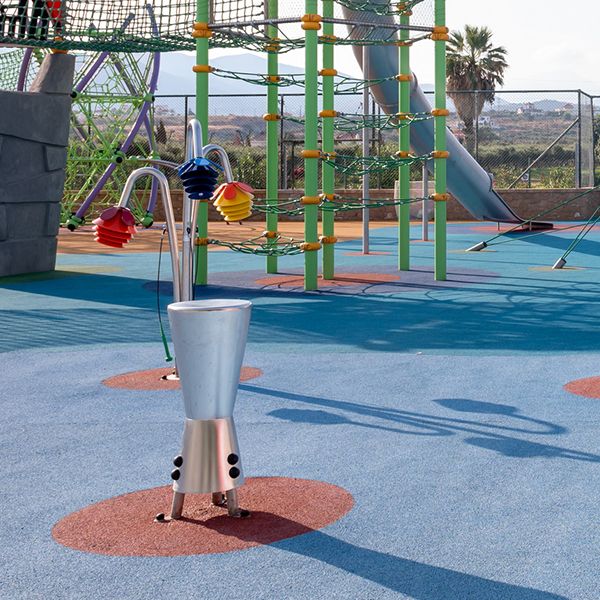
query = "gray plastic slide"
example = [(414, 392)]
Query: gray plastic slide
[(468, 182)]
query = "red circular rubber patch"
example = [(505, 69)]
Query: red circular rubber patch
[(280, 508), (588, 387), (341, 280), (153, 379)]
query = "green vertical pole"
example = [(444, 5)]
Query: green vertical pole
[(311, 140), (404, 147), (328, 144), (440, 163), (272, 130), (202, 17)]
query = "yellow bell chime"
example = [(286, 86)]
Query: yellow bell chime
[(234, 200)]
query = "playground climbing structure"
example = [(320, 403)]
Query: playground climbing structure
[(274, 28)]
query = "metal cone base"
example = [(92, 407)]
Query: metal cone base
[(209, 338)]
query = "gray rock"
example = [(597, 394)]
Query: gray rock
[(34, 134)]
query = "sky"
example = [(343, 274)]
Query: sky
[(551, 44)]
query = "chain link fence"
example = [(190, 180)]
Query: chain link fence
[(525, 139)]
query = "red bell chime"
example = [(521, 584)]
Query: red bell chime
[(114, 227)]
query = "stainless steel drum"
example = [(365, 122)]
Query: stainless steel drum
[(209, 338)]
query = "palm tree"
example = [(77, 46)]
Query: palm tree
[(473, 64)]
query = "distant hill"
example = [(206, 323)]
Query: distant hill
[(176, 78), (176, 75)]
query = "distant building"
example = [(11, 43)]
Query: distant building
[(486, 121), (568, 108), (527, 109)]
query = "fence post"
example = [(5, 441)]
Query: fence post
[(476, 113), (282, 151), (578, 146), (593, 176), (186, 108), (366, 152)]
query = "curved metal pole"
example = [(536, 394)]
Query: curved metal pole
[(169, 214), (224, 159), (193, 140), (193, 149)]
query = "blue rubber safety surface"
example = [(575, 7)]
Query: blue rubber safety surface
[(439, 406)]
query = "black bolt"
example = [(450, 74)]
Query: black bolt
[(175, 474), (232, 459), (234, 472), (178, 461), (160, 517)]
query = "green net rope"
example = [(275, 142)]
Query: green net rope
[(350, 122), (342, 83), (261, 246), (163, 25), (10, 66), (385, 8), (294, 208), (363, 165)]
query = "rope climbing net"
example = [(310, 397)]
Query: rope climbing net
[(361, 165), (166, 25), (295, 208), (343, 84), (10, 68), (350, 122), (263, 246)]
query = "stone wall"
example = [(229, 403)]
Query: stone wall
[(34, 133)]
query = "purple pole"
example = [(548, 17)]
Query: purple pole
[(91, 72), (126, 144), (24, 68), (154, 185)]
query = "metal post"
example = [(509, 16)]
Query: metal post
[(578, 145), (366, 151), (177, 505), (311, 147), (271, 12), (592, 151), (328, 143), (202, 100), (440, 144), (425, 205), (376, 138), (476, 113), (282, 146), (404, 147), (293, 162), (185, 114)]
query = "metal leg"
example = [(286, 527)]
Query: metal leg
[(218, 499), (232, 505), (177, 506)]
